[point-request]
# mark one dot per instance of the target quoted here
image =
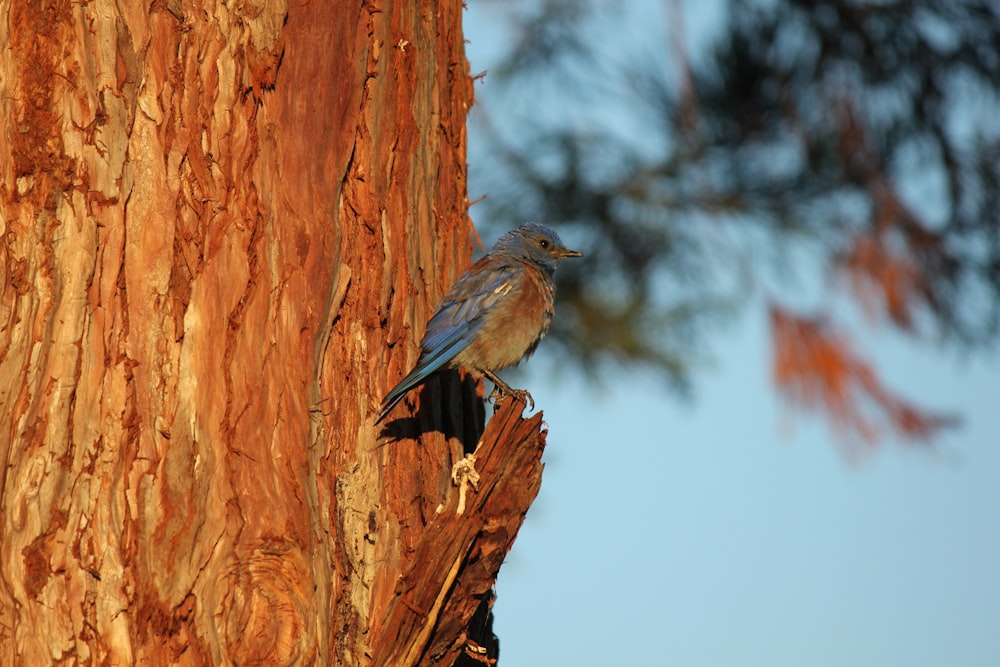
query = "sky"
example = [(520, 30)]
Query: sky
[(732, 530)]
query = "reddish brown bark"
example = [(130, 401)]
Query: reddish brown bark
[(223, 228)]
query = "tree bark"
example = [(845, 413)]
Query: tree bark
[(223, 228)]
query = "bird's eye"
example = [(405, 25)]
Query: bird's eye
[(544, 243)]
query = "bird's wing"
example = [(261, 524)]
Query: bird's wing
[(461, 312), (455, 323)]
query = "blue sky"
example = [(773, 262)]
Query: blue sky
[(731, 530), (714, 533)]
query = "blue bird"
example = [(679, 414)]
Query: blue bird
[(495, 314)]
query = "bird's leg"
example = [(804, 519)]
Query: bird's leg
[(503, 389)]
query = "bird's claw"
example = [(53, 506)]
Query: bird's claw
[(518, 394), (523, 396)]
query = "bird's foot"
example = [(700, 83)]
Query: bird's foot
[(518, 394), (523, 396), (501, 389)]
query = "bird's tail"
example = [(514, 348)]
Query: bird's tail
[(415, 378), (426, 366)]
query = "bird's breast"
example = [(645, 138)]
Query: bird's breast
[(514, 326)]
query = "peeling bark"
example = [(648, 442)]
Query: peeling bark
[(223, 228)]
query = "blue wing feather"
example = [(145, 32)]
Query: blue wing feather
[(454, 326)]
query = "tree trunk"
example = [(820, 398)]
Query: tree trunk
[(223, 228)]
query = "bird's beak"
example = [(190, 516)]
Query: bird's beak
[(566, 252)]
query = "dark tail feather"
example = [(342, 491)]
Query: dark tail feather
[(411, 381), (426, 366)]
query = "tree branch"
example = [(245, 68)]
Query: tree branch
[(459, 555)]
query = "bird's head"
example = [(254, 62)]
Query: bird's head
[(535, 243)]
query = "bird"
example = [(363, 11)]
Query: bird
[(494, 315)]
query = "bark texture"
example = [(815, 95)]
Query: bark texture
[(223, 228)]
